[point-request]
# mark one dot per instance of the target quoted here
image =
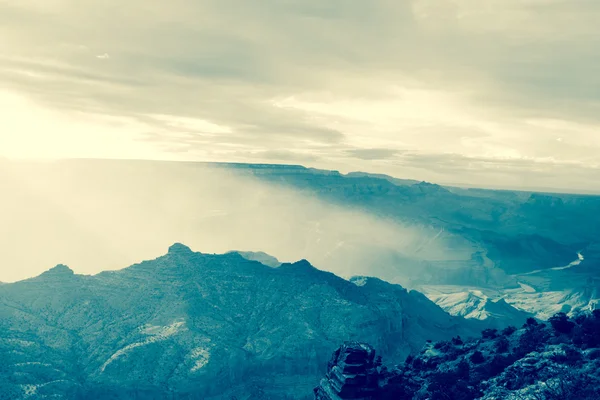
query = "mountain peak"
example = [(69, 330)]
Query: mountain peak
[(180, 249), (427, 187), (261, 257), (501, 301), (59, 270), (299, 266), (303, 263)]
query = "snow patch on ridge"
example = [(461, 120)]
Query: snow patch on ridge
[(526, 288), (360, 281), (201, 357), (29, 390), (32, 390), (544, 305), (31, 363), (17, 342), (156, 333), (163, 331)]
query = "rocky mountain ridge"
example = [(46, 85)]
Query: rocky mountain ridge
[(192, 325)]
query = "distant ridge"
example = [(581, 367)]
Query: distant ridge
[(395, 181), (298, 167), (261, 257)]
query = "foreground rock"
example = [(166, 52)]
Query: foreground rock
[(537, 362), (351, 374)]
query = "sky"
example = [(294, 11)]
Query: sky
[(499, 93)]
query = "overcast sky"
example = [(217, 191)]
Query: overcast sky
[(487, 92)]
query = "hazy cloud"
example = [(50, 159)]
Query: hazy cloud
[(100, 215), (372, 154), (498, 79)]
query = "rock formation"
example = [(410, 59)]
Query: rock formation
[(559, 360), (351, 374)]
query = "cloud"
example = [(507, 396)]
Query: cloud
[(372, 154), (423, 76), (104, 56), (282, 155)]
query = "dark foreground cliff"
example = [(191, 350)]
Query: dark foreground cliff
[(352, 373), (555, 361)]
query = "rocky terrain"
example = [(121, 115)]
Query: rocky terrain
[(475, 304), (557, 360), (513, 304), (351, 373), (199, 326)]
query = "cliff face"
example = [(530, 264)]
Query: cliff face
[(193, 325)]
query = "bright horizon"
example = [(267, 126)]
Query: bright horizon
[(491, 94)]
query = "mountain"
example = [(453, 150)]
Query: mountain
[(515, 232), (475, 304), (261, 257), (530, 248), (545, 304), (395, 181), (513, 306), (190, 325), (491, 237), (552, 361), (488, 239)]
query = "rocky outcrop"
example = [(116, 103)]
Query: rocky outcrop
[(559, 360), (351, 374)]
